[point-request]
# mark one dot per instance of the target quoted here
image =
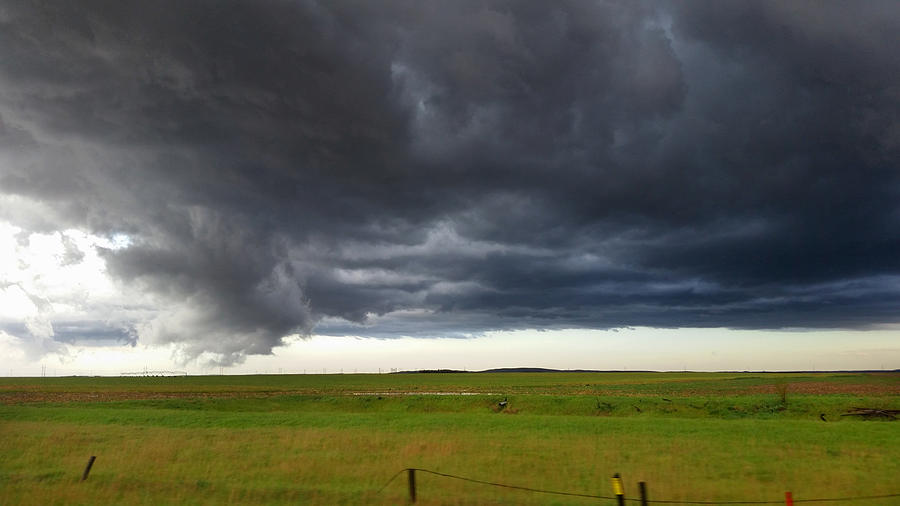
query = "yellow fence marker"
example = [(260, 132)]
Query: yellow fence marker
[(618, 490)]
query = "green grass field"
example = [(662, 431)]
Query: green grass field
[(337, 439)]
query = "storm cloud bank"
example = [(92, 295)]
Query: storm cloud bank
[(446, 168)]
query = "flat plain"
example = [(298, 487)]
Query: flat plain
[(340, 438)]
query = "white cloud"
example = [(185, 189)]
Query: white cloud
[(54, 288)]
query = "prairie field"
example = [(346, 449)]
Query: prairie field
[(340, 439)]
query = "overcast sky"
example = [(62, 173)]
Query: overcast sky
[(211, 178)]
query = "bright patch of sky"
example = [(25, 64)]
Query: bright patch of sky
[(46, 278), (621, 349)]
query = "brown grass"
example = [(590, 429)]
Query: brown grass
[(36, 396), (824, 388)]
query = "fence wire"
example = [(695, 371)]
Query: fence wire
[(591, 496)]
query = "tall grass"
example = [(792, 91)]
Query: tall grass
[(348, 461)]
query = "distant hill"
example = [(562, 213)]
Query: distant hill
[(429, 371), (541, 369), (502, 369)]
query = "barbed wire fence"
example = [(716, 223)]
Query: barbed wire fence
[(618, 492)]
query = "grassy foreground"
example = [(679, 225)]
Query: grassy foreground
[(338, 439)]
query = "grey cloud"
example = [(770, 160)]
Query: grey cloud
[(92, 332), (72, 254), (436, 169)]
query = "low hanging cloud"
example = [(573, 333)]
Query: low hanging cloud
[(443, 169)]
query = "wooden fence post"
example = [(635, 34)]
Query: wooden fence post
[(643, 488), (87, 469), (412, 485), (618, 490)]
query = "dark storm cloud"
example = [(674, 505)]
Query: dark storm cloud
[(442, 169)]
